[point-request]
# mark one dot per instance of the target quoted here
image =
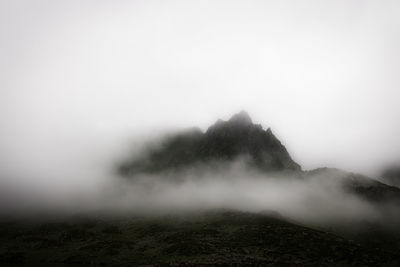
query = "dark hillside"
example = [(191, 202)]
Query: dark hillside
[(210, 238)]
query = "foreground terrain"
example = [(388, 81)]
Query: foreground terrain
[(213, 237)]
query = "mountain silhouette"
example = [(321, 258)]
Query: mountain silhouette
[(239, 138), (224, 141)]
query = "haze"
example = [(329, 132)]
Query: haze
[(79, 80)]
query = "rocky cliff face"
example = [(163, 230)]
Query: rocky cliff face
[(224, 141), (239, 136)]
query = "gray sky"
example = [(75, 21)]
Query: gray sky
[(77, 76)]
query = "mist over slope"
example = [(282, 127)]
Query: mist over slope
[(234, 184), (235, 164), (391, 175)]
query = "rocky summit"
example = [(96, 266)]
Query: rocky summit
[(224, 141)]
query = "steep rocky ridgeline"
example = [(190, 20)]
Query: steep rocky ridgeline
[(239, 138), (224, 141)]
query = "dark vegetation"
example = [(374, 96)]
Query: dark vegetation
[(208, 238)]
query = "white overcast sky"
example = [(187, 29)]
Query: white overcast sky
[(75, 75)]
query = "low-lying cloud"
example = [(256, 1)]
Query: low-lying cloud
[(312, 199)]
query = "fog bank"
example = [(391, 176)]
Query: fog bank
[(317, 199)]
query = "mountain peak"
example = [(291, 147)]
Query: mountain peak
[(242, 118), (223, 141)]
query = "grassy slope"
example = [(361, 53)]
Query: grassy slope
[(218, 237)]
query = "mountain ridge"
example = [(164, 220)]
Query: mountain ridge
[(238, 138), (223, 141)]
